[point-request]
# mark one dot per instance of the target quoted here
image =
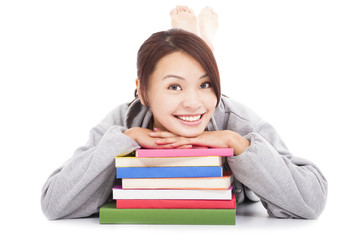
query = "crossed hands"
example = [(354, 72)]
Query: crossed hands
[(163, 139)]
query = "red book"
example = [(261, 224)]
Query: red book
[(192, 152), (176, 204)]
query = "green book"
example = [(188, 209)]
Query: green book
[(110, 214)]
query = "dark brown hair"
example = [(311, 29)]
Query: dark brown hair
[(160, 44)]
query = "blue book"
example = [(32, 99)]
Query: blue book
[(168, 172)]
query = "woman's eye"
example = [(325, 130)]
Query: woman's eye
[(174, 87), (205, 85)]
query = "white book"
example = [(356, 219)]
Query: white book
[(168, 161), (120, 193), (220, 183)]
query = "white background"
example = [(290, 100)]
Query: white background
[(65, 64)]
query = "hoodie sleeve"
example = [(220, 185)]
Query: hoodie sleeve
[(84, 182), (288, 186)]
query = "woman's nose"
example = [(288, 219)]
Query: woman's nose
[(192, 100)]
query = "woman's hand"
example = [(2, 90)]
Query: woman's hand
[(219, 139), (144, 137)]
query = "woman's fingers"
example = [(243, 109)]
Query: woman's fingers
[(162, 134), (170, 140), (164, 141), (184, 146), (181, 142), (174, 142)]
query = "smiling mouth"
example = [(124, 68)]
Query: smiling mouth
[(189, 118)]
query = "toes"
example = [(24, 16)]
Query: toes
[(180, 9), (187, 9), (184, 9), (208, 10), (173, 12)]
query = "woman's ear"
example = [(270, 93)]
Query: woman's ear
[(139, 92)]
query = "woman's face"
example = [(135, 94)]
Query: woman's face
[(180, 95)]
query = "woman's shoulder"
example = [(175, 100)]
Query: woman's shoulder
[(118, 114), (233, 115), (234, 108), (126, 114)]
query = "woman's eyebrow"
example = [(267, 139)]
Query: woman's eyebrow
[(173, 76), (204, 76), (181, 78)]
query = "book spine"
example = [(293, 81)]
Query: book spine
[(177, 204), (168, 172), (219, 183), (224, 152), (119, 193), (109, 214), (169, 161)]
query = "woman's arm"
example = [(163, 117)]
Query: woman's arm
[(288, 186), (84, 182)]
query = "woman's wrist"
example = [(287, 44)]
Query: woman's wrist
[(130, 133), (237, 142)]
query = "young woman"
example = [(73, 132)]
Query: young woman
[(179, 105)]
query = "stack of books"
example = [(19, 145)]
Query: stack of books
[(172, 186)]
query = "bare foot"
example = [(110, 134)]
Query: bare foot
[(184, 18), (208, 25)]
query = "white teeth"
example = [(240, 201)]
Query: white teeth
[(190, 118)]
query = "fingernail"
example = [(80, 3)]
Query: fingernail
[(152, 134), (156, 129)]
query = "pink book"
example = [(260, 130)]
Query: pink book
[(192, 152), (176, 203)]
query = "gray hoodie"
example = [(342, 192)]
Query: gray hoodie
[(287, 186)]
